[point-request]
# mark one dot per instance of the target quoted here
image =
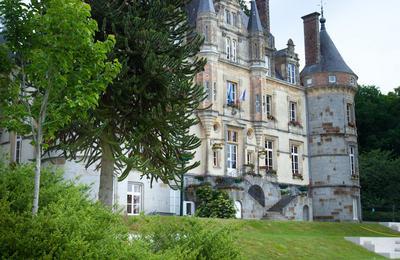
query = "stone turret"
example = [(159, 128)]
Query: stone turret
[(330, 88)]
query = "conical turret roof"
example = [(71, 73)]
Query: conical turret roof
[(330, 59), (254, 20), (206, 6)]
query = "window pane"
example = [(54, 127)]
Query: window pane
[(129, 199)]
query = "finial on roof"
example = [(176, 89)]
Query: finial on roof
[(254, 21), (322, 20)]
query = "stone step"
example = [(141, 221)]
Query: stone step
[(272, 215), (391, 255)]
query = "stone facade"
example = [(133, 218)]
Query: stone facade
[(266, 128)]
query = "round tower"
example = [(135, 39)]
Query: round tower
[(330, 88)]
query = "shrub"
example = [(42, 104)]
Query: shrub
[(214, 203), (194, 238), (69, 225)]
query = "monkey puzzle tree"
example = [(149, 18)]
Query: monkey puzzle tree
[(143, 118), (57, 70)]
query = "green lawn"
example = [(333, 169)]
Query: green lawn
[(296, 240), (302, 240)]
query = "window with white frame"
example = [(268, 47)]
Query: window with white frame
[(234, 50), (267, 105), (349, 113), (352, 160), (232, 149), (291, 73), (269, 156), (231, 93), (18, 148), (332, 79), (293, 111), (134, 198), (258, 105), (309, 81), (228, 48), (227, 17), (295, 158)]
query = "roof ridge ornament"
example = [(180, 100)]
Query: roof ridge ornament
[(322, 20)]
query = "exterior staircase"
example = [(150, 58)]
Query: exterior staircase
[(392, 225), (275, 212), (385, 246)]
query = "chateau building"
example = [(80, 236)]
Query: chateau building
[(281, 141)]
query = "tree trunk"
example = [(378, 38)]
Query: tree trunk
[(106, 189), (38, 157)]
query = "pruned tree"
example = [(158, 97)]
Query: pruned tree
[(143, 118), (57, 69)]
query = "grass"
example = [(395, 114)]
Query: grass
[(306, 240), (299, 240)]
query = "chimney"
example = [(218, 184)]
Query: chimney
[(311, 38), (263, 9)]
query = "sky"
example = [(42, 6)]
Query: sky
[(366, 33)]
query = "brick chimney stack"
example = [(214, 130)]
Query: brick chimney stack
[(263, 10), (311, 38)]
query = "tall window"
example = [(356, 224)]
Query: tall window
[(234, 50), (267, 105), (269, 148), (228, 17), (295, 159), (234, 19), (267, 65), (352, 160), (231, 93), (250, 157), (258, 105), (228, 48), (293, 111), (18, 148), (232, 150), (208, 90), (349, 112), (291, 73), (215, 91), (134, 198), (216, 158)]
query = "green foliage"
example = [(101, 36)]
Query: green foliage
[(379, 179), (145, 115), (58, 68), (377, 119), (70, 226), (195, 238), (214, 203), (244, 7)]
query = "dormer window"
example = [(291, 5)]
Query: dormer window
[(228, 48), (332, 79), (227, 17), (291, 73), (352, 81), (309, 81)]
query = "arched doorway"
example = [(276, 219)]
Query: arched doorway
[(258, 194), (306, 213), (238, 207)]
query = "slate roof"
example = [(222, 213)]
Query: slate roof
[(254, 21), (206, 6), (331, 60)]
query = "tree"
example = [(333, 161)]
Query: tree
[(377, 119), (58, 70), (379, 179), (143, 118)]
